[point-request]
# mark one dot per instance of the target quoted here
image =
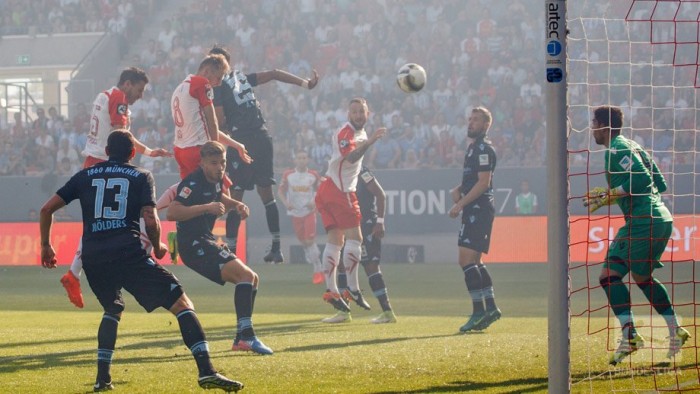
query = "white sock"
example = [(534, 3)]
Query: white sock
[(313, 257), (331, 256), (307, 255), (351, 259), (76, 267)]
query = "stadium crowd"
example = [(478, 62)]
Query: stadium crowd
[(21, 17), (475, 52)]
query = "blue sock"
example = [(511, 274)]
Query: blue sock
[(194, 338), (106, 339), (472, 278), (243, 300)]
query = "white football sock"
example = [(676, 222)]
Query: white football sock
[(331, 256), (76, 267), (351, 259)]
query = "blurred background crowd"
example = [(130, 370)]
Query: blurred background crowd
[(476, 52)]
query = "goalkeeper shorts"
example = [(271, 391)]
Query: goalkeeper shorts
[(638, 248)]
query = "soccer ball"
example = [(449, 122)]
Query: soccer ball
[(411, 77)]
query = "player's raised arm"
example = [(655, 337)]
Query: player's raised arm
[(357, 153), (146, 151), (287, 77), (240, 148)]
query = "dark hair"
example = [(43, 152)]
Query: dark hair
[(219, 50), (120, 145), (607, 115), (132, 74)]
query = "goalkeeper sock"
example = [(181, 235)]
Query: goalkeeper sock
[(487, 289), (619, 300), (472, 277), (657, 295)]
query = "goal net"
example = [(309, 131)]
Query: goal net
[(643, 56)]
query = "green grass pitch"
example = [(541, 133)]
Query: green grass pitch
[(49, 346)]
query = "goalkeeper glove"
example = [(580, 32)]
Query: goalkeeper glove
[(599, 197)]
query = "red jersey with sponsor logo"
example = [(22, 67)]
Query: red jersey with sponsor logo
[(341, 171), (187, 105), (110, 110)]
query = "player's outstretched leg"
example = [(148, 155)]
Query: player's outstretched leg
[(71, 279)]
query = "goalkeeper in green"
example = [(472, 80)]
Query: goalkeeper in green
[(635, 184)]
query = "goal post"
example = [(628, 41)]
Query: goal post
[(642, 56), (558, 339)]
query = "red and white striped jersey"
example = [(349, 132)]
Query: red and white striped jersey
[(187, 104), (341, 171), (110, 110), (300, 190)]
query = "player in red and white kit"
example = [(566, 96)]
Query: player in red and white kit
[(336, 201), (192, 108), (194, 117), (297, 191), (110, 111)]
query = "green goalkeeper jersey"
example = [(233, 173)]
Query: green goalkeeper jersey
[(628, 165)]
